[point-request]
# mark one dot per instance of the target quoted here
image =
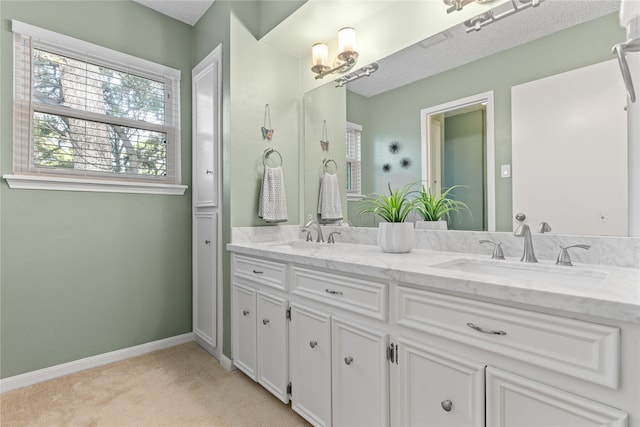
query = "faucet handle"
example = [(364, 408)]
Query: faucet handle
[(497, 249), (330, 239), (544, 227), (309, 238), (563, 256)]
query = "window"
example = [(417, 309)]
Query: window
[(353, 136), (87, 114)]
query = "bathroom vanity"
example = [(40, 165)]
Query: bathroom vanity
[(354, 336)]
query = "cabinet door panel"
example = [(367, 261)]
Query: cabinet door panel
[(204, 289), (310, 349), (360, 376), (244, 330), (437, 388), (273, 343), (516, 401), (205, 170)]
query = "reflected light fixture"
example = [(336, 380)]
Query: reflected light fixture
[(347, 57)]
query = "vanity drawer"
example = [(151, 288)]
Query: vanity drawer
[(258, 270), (360, 296), (585, 350)]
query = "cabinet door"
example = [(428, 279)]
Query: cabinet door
[(273, 344), (360, 375), (244, 330), (437, 388), (310, 350), (205, 120), (517, 401), (204, 277)]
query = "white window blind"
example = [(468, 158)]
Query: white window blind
[(353, 137), (85, 111)]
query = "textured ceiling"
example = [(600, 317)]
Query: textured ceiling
[(187, 11), (456, 47)]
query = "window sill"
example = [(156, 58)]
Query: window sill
[(354, 197), (28, 182)]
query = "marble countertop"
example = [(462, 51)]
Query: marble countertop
[(596, 290)]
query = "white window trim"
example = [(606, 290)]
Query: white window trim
[(147, 68)]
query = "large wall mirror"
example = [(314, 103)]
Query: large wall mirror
[(554, 38)]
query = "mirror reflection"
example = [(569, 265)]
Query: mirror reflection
[(390, 107)]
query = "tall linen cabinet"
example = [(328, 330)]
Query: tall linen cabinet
[(206, 204)]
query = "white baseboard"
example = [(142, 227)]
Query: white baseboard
[(216, 352), (227, 363), (33, 377)]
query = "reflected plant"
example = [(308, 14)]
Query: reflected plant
[(393, 207)]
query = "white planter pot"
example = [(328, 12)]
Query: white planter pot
[(396, 237), (431, 225)]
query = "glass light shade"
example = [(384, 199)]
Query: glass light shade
[(320, 54), (347, 40)]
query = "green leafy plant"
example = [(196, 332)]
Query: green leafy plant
[(393, 207), (435, 207)]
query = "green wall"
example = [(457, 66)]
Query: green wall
[(395, 114), (85, 273)]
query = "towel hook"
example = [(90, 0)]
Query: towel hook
[(325, 164), (267, 153)]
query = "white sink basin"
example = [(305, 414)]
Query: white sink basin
[(551, 274)]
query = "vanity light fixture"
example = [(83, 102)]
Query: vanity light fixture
[(477, 22), (347, 57), (456, 5), (365, 71)]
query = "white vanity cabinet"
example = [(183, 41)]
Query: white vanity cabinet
[(260, 323), (358, 351)]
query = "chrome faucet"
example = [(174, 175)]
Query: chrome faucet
[(523, 230), (318, 228)]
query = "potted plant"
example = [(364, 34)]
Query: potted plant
[(436, 209), (394, 234)]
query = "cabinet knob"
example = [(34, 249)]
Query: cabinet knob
[(446, 405), (245, 312), (313, 344), (265, 321), (208, 171), (348, 360), (207, 242)]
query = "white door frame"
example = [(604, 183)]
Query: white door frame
[(487, 98)]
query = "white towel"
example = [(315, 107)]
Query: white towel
[(272, 203), (329, 206)]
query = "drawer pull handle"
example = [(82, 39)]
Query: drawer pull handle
[(258, 272), (265, 321), (207, 242), (329, 291), (245, 312), (446, 405), (348, 360), (207, 172), (485, 331), (313, 344)]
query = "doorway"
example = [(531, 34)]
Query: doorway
[(457, 148)]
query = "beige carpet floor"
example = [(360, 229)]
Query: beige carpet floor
[(179, 386)]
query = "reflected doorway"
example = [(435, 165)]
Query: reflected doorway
[(458, 149)]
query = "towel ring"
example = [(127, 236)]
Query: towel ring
[(267, 153), (325, 164)]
